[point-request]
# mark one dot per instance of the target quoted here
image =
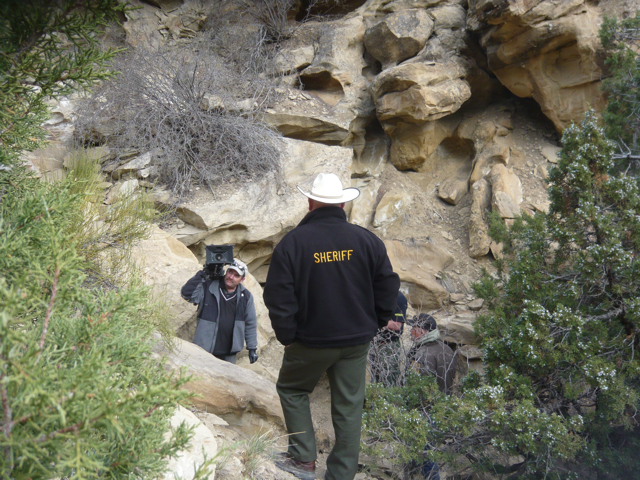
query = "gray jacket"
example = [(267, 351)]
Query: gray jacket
[(201, 291)]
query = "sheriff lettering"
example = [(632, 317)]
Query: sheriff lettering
[(333, 256)]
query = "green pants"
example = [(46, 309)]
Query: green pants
[(301, 369)]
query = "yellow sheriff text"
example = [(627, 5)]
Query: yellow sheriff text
[(332, 256)]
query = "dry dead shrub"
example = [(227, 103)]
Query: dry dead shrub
[(184, 107)]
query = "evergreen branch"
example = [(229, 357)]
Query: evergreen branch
[(71, 428), (32, 41), (54, 290)]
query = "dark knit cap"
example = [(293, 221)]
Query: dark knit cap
[(423, 321)]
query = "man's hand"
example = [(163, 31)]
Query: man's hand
[(253, 356), (394, 326)]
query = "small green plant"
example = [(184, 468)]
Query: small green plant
[(257, 449)]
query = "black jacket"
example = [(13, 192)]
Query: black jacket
[(330, 283)]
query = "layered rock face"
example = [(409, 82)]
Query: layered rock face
[(407, 100), (439, 111), (547, 50)]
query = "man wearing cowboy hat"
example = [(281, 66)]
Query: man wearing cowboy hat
[(226, 313), (330, 287)]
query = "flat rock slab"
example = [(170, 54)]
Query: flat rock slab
[(223, 388)]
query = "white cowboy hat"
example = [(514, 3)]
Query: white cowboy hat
[(327, 188)]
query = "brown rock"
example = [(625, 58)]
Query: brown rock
[(362, 207), (291, 61), (167, 265), (308, 127), (475, 305), (225, 389), (419, 92), (391, 207), (547, 50), (506, 191), (413, 144), (479, 240), (453, 189), (496, 150), (458, 328), (398, 36), (417, 266)]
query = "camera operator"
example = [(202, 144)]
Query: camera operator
[(226, 312)]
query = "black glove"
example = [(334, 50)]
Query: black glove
[(253, 356)]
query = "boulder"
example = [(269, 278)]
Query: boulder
[(385, 6), (504, 205), (419, 92), (392, 206), (476, 304), (398, 36), (202, 445), (133, 165), (338, 62), (47, 162), (121, 190), (506, 191), (458, 328), (479, 240), (470, 352), (417, 265), (310, 127), (448, 17), (292, 60), (453, 189), (141, 26), (263, 210), (496, 150), (370, 161), (544, 49), (166, 264), (412, 145), (225, 389), (550, 152)]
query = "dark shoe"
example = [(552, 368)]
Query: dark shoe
[(302, 470)]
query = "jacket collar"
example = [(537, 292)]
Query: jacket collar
[(322, 213), (429, 337), (213, 289)]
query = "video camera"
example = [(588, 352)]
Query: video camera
[(217, 257)]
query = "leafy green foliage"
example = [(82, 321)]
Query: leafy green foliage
[(562, 374), (47, 49), (562, 333), (621, 39), (82, 396), (397, 420)]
